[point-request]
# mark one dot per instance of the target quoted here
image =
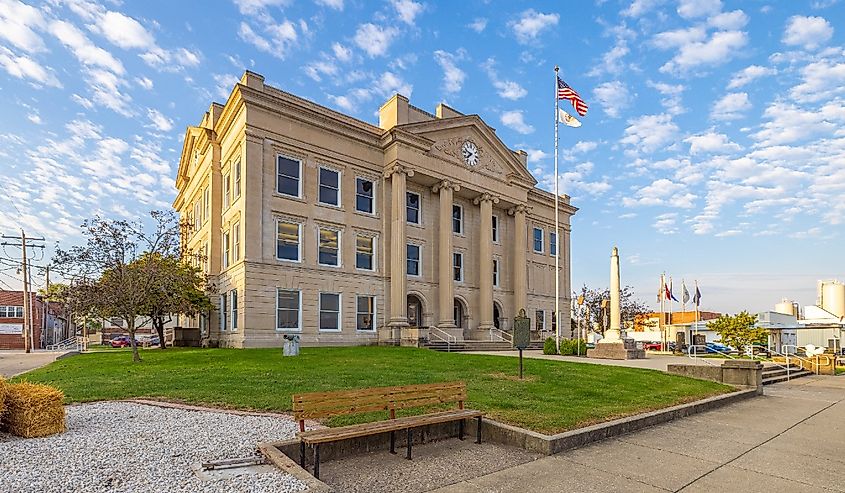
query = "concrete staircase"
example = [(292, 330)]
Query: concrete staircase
[(776, 374), (469, 345)]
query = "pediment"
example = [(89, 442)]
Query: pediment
[(494, 158)]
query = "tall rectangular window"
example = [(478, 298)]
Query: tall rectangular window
[(495, 229), (540, 320), (227, 191), (224, 312), (288, 179), (495, 272), (458, 266), (366, 313), (553, 244), (538, 240), (364, 195), (413, 253), (233, 303), (288, 309), (288, 241), (206, 194), (329, 248), (197, 216), (330, 311), (457, 219), (412, 201), (365, 252), (237, 173), (236, 242), (226, 247), (329, 187)]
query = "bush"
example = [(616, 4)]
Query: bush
[(549, 346), (3, 389), (34, 410)]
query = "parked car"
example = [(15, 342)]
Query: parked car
[(717, 348), (653, 346), (122, 341), (154, 341)]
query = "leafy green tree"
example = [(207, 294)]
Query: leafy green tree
[(591, 309), (739, 331)]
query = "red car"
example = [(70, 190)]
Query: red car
[(121, 341), (653, 346)]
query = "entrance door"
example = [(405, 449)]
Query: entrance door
[(459, 313), (414, 311), (496, 316)]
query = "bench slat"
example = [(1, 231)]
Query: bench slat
[(352, 431)]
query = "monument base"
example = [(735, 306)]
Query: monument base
[(626, 349)]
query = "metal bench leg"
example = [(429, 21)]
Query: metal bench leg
[(410, 441), (478, 431), (461, 430), (392, 442), (317, 461), (302, 454)]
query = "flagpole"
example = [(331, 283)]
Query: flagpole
[(661, 295), (557, 224), (697, 301)]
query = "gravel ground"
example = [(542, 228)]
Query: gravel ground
[(128, 447)]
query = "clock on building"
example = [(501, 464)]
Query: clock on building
[(470, 152)]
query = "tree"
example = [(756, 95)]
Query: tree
[(111, 275), (630, 307), (739, 331)]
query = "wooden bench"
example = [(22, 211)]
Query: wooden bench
[(318, 405)]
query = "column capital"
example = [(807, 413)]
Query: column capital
[(486, 197), (398, 168), (445, 184), (522, 208)]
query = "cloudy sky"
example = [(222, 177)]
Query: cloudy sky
[(713, 149)]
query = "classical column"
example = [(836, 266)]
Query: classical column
[(613, 333), (485, 258), (520, 249), (398, 245), (446, 289)]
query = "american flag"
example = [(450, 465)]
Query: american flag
[(566, 92)]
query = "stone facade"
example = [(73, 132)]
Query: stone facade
[(307, 221)]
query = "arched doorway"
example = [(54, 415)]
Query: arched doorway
[(459, 313), (497, 314), (414, 311)]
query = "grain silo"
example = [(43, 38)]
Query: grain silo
[(832, 297), (787, 307)]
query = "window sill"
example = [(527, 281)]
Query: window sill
[(331, 206), (288, 330), (366, 214), (330, 266), (288, 261), (289, 197)]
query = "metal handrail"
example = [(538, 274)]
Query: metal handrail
[(69, 343), (439, 334), (501, 335), (711, 351)]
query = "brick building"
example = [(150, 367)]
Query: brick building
[(48, 327)]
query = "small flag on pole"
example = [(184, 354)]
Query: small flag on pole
[(567, 119), (697, 297), (684, 292), (566, 92), (671, 291)]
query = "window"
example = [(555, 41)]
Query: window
[(288, 309), (495, 272), (413, 207), (365, 252), (206, 194), (413, 253), (227, 191), (287, 241), (540, 321), (458, 266), (329, 311), (233, 304), (495, 229), (329, 247), (364, 195), (288, 180), (197, 216), (329, 187), (11, 312), (553, 244), (236, 242), (457, 219), (223, 313), (237, 179), (538, 240), (226, 246), (366, 313)]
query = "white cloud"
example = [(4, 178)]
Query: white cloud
[(516, 122), (672, 96), (823, 79), (144, 82), (170, 60), (408, 10), (374, 40), (507, 89), (720, 48), (662, 192), (159, 121), (123, 31), (807, 32), (690, 9), (649, 133), (749, 74), (453, 77), (389, 83), (711, 142), (316, 70), (536, 155), (729, 21), (83, 49), (666, 223), (223, 84), (252, 7), (613, 97), (341, 52), (478, 25), (24, 67), (531, 24), (34, 118), (788, 123), (730, 107), (335, 4), (18, 23), (640, 7), (679, 37)]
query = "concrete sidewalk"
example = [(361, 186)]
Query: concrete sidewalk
[(16, 362), (651, 362), (790, 439)]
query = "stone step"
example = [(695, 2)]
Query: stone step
[(469, 345), (778, 371), (784, 377)]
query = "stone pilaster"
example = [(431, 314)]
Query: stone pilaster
[(485, 258), (446, 287), (398, 174), (520, 250)]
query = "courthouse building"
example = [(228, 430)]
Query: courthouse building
[(315, 223)]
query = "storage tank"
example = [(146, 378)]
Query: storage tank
[(833, 297), (786, 307)]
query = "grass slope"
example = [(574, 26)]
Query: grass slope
[(555, 396)]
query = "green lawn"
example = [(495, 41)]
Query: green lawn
[(555, 396)]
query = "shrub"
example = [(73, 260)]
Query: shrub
[(569, 347), (549, 346), (3, 387), (34, 410)]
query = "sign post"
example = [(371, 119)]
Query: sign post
[(521, 335)]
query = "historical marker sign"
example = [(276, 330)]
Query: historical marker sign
[(521, 331)]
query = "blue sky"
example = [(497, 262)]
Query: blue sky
[(713, 149)]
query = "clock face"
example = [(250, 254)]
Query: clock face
[(470, 152)]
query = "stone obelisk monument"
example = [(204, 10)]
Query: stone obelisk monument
[(613, 346)]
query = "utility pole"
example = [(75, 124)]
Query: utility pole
[(28, 332)]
